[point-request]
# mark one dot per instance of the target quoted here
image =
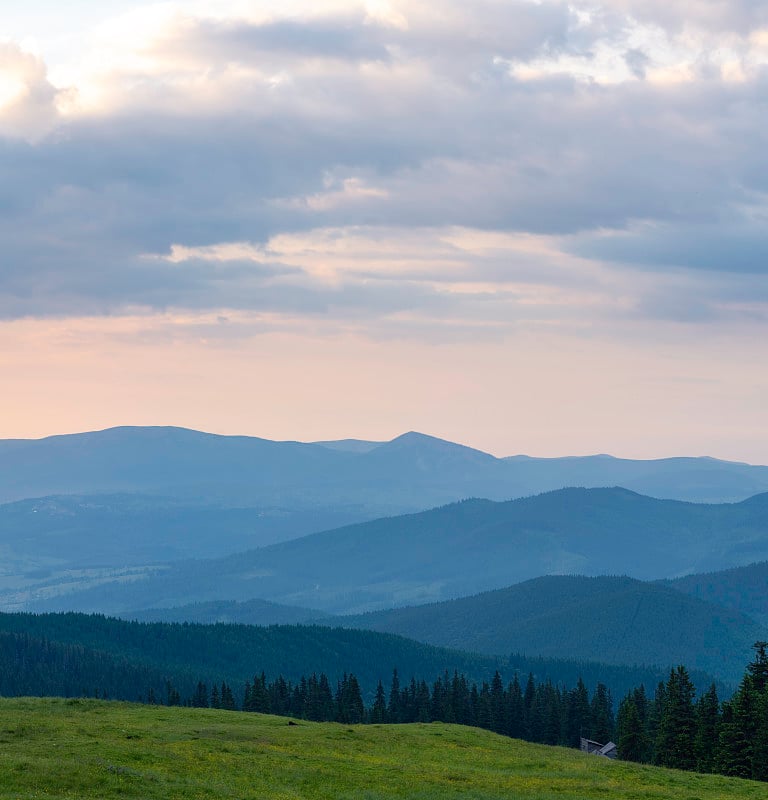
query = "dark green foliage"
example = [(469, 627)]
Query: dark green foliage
[(632, 743), (670, 730), (349, 701), (36, 666), (607, 619), (758, 668), (188, 653), (200, 697), (731, 754), (743, 741), (676, 732), (743, 589), (707, 723), (601, 724), (577, 715), (379, 707)]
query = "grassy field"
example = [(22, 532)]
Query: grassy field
[(92, 749)]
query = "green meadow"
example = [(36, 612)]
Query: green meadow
[(56, 748)]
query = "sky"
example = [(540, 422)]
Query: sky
[(531, 227)]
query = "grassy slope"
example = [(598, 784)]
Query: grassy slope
[(91, 749)]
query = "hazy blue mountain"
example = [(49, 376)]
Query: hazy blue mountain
[(157, 460), (350, 445), (63, 532), (458, 550), (610, 619), (249, 612), (411, 472), (744, 589), (703, 479)]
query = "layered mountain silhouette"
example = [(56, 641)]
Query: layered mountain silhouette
[(458, 550), (413, 471), (614, 620)]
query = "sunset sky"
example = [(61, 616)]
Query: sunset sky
[(531, 227)]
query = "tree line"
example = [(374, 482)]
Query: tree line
[(672, 729), (676, 729), (670, 726)]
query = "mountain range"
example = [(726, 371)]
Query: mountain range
[(413, 471), (454, 551), (121, 504), (613, 620), (176, 525)]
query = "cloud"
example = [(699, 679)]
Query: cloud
[(28, 101), (738, 16), (374, 138), (727, 248), (637, 61)]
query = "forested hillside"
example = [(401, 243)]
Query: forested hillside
[(614, 620), (458, 550), (132, 653), (247, 612), (744, 589)]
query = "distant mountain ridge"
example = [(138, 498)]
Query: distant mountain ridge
[(413, 471), (458, 550)]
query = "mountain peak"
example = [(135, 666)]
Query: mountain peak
[(424, 440)]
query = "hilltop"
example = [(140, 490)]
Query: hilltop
[(609, 619), (743, 589), (90, 749)]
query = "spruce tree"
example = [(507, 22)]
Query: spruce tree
[(200, 698), (731, 752), (577, 719), (707, 722), (758, 668), (497, 705), (379, 707), (630, 732), (516, 712), (394, 711), (675, 738), (423, 704), (760, 741), (601, 715)]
